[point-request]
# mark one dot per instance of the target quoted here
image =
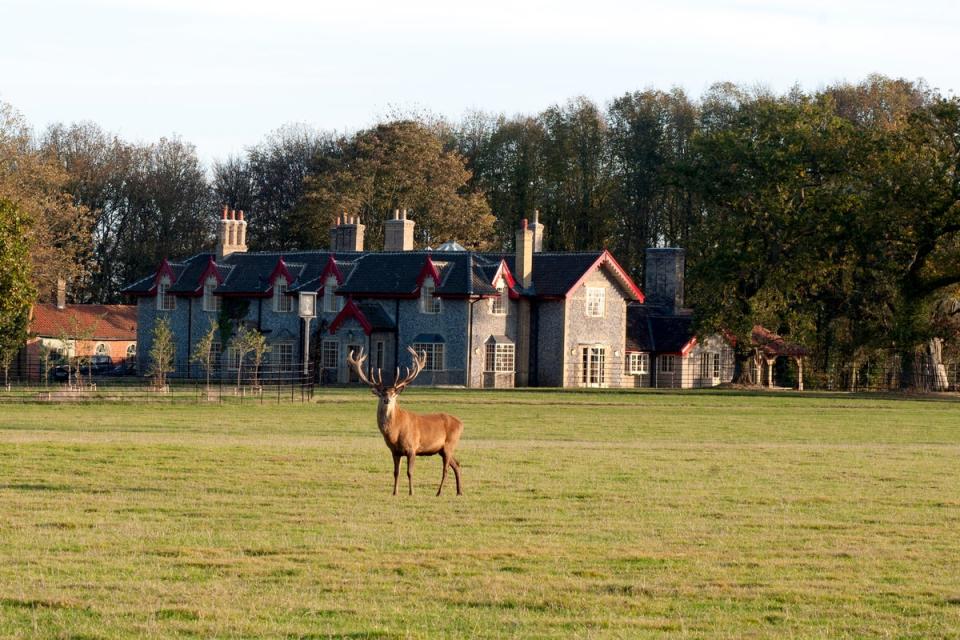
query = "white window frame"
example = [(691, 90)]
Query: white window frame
[(500, 304), (593, 364), (281, 354), (330, 354), (282, 303), (500, 357), (596, 302), (435, 352), (639, 363), (429, 303), (716, 366), (210, 301), (379, 349), (331, 302), (165, 300)]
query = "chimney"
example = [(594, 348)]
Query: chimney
[(347, 234), (398, 232), (537, 229), (61, 293), (663, 278), (523, 268), (232, 233)]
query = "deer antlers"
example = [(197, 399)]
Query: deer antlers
[(375, 379)]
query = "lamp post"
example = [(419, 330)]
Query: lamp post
[(307, 309)]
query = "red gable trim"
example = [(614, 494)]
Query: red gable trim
[(429, 269), (351, 310), (279, 270), (607, 259), (504, 271), (163, 270), (211, 270), (685, 351), (331, 268)]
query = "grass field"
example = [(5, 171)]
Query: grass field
[(592, 515)]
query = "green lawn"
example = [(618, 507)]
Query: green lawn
[(599, 515)]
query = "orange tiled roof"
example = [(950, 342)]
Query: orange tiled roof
[(106, 321)]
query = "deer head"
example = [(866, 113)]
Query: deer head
[(375, 379)]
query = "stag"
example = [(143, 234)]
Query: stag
[(409, 434)]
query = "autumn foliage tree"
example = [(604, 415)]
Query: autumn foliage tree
[(394, 165)]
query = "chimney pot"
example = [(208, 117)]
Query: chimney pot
[(225, 209), (240, 217), (61, 293), (523, 224)]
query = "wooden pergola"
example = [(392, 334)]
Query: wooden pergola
[(768, 346)]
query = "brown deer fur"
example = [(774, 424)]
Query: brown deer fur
[(409, 434)]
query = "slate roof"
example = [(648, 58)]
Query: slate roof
[(104, 321), (379, 319), (375, 274), (650, 331)]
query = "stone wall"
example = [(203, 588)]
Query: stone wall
[(608, 331)]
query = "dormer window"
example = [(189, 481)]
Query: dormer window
[(498, 305), (210, 301), (282, 303), (165, 301), (331, 303), (595, 301), (429, 303)]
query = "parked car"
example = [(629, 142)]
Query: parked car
[(123, 369)]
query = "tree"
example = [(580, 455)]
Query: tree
[(241, 345), (577, 176), (16, 289), (256, 345), (772, 173), (649, 134), (394, 165), (203, 353), (161, 354), (58, 234), (268, 182)]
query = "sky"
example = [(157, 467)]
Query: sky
[(222, 74)]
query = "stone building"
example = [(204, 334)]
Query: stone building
[(663, 351), (485, 319)]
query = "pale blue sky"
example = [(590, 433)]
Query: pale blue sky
[(223, 73)]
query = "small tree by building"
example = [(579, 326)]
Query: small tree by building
[(6, 359), (203, 352), (258, 348), (161, 354), (240, 345)]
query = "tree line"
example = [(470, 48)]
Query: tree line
[(829, 216)]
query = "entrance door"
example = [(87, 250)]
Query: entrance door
[(593, 369), (351, 374)]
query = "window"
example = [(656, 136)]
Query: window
[(283, 355), (282, 303), (716, 366), (378, 355), (434, 351), (331, 304), (595, 296), (498, 306), (165, 301), (429, 303), (330, 355), (132, 352), (639, 363), (101, 349), (593, 363), (210, 301), (499, 358), (233, 358), (666, 364), (705, 362), (215, 350)]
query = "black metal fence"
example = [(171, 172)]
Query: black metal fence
[(85, 380)]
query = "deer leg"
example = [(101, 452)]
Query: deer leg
[(446, 463), (396, 472), (456, 473), (410, 458)]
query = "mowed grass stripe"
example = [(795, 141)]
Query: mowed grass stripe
[(743, 517)]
